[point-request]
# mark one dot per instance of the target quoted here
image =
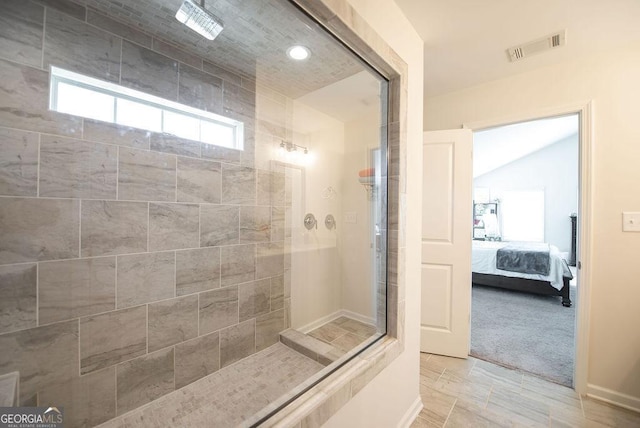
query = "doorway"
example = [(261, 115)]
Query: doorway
[(525, 211)]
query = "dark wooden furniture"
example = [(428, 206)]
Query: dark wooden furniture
[(522, 284)]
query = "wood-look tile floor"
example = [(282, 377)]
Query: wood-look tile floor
[(475, 393)]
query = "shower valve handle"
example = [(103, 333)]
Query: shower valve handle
[(310, 221)]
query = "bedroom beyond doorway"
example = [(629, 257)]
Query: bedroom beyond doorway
[(525, 213)]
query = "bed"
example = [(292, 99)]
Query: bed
[(487, 256)]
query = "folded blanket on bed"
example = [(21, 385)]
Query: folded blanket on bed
[(524, 257)]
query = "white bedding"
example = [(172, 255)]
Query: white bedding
[(483, 260)]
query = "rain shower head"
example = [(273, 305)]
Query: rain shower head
[(199, 19)]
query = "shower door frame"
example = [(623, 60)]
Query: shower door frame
[(324, 398)]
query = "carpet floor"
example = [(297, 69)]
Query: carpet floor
[(525, 331)]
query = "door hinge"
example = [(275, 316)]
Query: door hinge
[(579, 265)]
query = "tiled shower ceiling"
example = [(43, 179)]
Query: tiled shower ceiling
[(254, 41)]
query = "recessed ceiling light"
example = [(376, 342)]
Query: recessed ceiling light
[(298, 52)]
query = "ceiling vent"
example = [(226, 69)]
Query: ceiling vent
[(549, 42)]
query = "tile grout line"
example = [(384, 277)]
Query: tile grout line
[(38, 168), (44, 33), (148, 227), (117, 170), (115, 284), (449, 414), (79, 230), (38, 297), (486, 404)]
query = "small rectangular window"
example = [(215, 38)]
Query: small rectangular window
[(84, 96), (182, 125), (138, 115), (84, 102)]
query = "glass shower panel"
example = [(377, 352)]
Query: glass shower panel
[(152, 226)]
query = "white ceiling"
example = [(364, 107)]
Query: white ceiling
[(495, 147), (347, 99), (466, 40)]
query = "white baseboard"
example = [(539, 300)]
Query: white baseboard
[(337, 314), (613, 397), (411, 414)]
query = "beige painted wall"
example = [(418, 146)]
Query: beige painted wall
[(385, 401), (315, 253), (361, 136), (611, 81)]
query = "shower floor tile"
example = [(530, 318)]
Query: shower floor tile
[(228, 397), (343, 333)]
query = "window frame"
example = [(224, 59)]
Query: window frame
[(118, 92)]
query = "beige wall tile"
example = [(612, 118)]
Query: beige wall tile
[(238, 264), (218, 309), (328, 407), (77, 169), (18, 163), (270, 261), (69, 7), (115, 27), (146, 176), (75, 45), (200, 90), (219, 225), (197, 270), (255, 224), (271, 188), (278, 220), (277, 292), (198, 181), (144, 379), (88, 400), (238, 185), (254, 299), (237, 342), (216, 70), (238, 102), (222, 154), (111, 133), (172, 321), (197, 358), (144, 278), (21, 27), (113, 337), (44, 356), (75, 288), (178, 53), (167, 143), (111, 227), (24, 92), (173, 226), (38, 229), (149, 72), (268, 328), (18, 299)]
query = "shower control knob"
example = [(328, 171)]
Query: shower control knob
[(330, 222), (310, 221)]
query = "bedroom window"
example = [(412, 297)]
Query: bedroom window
[(523, 215), (80, 95)]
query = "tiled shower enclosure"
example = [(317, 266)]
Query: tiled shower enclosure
[(141, 251)]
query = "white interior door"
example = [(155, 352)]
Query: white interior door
[(446, 242)]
